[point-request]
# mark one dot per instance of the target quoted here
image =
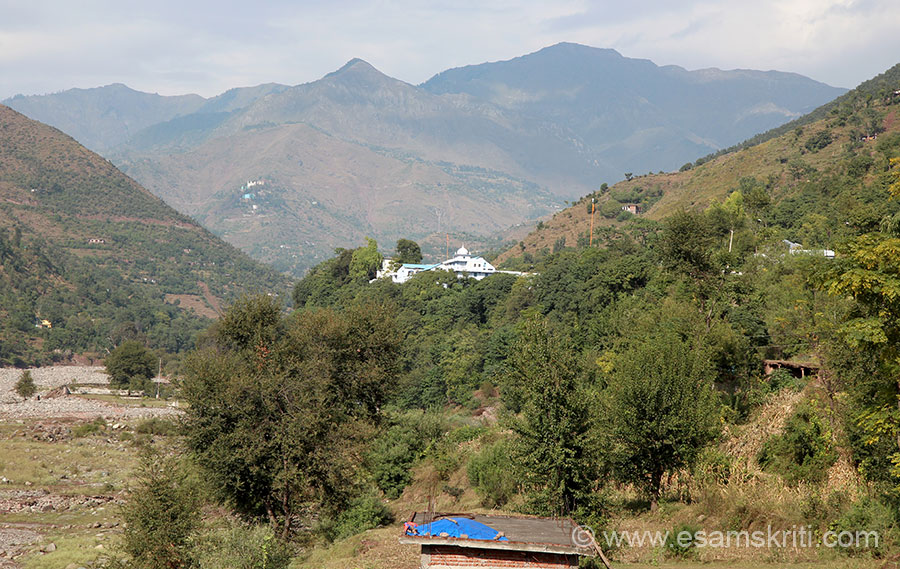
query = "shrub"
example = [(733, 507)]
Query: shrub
[(396, 450), (91, 428), (680, 540), (624, 215), (25, 386), (867, 515), (157, 426), (803, 451), (783, 378), (492, 473), (160, 516), (819, 140), (366, 512), (610, 208), (243, 547)]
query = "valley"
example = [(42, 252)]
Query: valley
[(705, 349)]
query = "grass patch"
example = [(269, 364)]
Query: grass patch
[(133, 401), (79, 549)]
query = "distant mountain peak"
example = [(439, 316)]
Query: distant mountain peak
[(571, 47), (355, 65)]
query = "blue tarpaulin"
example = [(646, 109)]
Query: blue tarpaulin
[(456, 527)]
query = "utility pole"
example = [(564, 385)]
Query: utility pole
[(591, 238)]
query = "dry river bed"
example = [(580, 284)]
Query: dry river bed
[(59, 491)]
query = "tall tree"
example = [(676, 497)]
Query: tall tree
[(870, 273), (408, 251), (552, 428), (661, 409), (280, 408), (131, 363), (365, 261)]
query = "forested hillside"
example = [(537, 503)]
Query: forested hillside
[(687, 369), (89, 258)]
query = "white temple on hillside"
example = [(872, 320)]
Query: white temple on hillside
[(463, 264)]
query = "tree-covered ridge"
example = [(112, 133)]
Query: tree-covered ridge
[(98, 257)]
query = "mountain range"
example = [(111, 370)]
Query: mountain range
[(471, 152)]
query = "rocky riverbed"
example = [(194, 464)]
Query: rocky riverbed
[(51, 401)]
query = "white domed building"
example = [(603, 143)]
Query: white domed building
[(463, 264)]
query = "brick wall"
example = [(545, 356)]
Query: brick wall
[(441, 556)]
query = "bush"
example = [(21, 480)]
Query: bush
[(783, 378), (680, 540), (157, 426), (243, 547), (160, 516), (819, 140), (624, 215), (91, 428), (803, 451), (492, 473), (867, 515), (396, 450), (25, 386), (364, 513)]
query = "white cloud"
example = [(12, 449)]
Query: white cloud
[(206, 47)]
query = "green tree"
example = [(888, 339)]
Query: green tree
[(281, 410), (552, 428), (685, 244), (130, 364), (662, 410), (408, 251), (161, 515), (25, 385), (871, 275), (365, 261)]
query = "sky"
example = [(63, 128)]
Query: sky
[(206, 47)]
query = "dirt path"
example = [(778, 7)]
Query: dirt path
[(210, 298)]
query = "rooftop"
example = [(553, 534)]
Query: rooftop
[(524, 534)]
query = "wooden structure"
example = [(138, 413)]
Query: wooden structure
[(538, 543), (797, 369)]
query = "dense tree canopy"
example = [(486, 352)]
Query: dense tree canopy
[(281, 406), (130, 364)]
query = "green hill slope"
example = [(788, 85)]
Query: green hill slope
[(98, 257)]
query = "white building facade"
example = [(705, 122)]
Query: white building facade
[(463, 264)]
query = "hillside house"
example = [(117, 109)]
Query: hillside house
[(632, 208), (492, 542), (798, 249)]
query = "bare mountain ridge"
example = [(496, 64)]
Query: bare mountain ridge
[(471, 150)]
